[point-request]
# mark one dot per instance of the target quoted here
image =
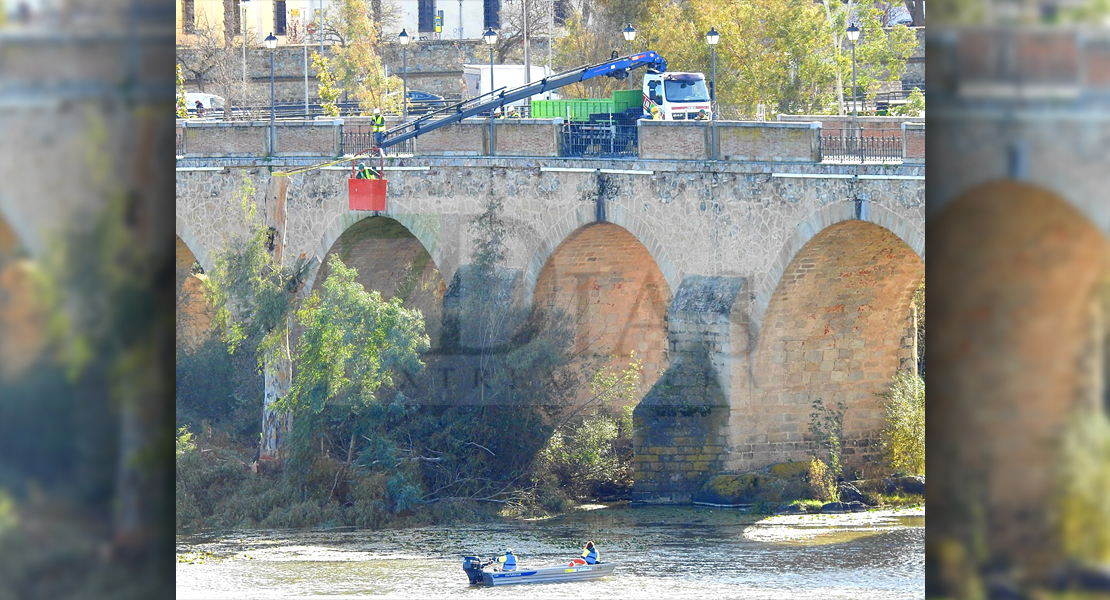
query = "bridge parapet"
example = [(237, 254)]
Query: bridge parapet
[(217, 139), (737, 141)]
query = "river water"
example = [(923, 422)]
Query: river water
[(661, 552)]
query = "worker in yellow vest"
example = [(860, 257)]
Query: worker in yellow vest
[(378, 121)]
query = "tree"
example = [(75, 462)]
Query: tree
[(916, 9), (771, 53), (353, 345), (358, 64), (327, 91), (182, 109), (254, 295), (214, 60), (881, 53), (904, 435)]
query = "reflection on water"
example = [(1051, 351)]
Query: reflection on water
[(674, 552)]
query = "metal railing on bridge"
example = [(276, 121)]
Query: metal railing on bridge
[(599, 140), (361, 139), (854, 146)]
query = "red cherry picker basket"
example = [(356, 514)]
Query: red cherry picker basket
[(368, 193)]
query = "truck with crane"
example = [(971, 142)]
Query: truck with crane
[(676, 94), (679, 96)]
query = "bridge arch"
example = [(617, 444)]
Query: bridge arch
[(193, 244), (392, 260), (422, 228), (816, 222), (1021, 339), (572, 221), (839, 325), (606, 283)]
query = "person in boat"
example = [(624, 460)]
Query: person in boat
[(589, 555), (507, 560)]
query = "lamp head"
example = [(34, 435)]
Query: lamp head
[(271, 41), (490, 36), (629, 33), (853, 32), (403, 37), (712, 37)]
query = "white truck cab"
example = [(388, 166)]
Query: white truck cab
[(679, 96)]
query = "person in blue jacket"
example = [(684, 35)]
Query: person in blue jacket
[(508, 560), (589, 553)]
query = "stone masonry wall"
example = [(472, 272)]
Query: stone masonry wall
[(297, 138), (837, 328), (681, 425), (526, 137), (674, 139), (604, 282), (467, 137), (913, 143), (774, 142)]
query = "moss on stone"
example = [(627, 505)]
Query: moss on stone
[(790, 469)]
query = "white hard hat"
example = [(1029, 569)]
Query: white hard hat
[(509, 551), (377, 112)]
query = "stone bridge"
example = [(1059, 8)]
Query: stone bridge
[(749, 288), (1020, 327)]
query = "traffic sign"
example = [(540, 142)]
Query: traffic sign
[(311, 28)]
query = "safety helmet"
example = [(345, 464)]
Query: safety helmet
[(509, 551), (377, 112), (362, 165), (654, 109)]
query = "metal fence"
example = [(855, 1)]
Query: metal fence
[(362, 139), (180, 143), (852, 146), (600, 140)]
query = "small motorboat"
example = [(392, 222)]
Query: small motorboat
[(475, 569)]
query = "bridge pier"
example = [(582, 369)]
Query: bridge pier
[(680, 428)]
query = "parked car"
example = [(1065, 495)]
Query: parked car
[(208, 101), (424, 102)]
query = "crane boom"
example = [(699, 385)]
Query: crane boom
[(618, 68)]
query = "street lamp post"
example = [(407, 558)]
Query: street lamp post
[(404, 39), (305, 20), (629, 35), (711, 38), (271, 44), (491, 38), (853, 35), (243, 13)]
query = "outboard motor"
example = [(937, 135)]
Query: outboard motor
[(473, 567)]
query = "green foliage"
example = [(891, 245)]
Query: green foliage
[(182, 108), (914, 107), (919, 305), (1082, 509), (184, 441), (583, 457), (790, 56), (822, 483), (252, 293), (904, 435), (358, 64), (219, 389), (327, 89), (827, 427), (353, 343)]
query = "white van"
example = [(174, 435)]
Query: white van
[(504, 76), (208, 101), (679, 96)]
